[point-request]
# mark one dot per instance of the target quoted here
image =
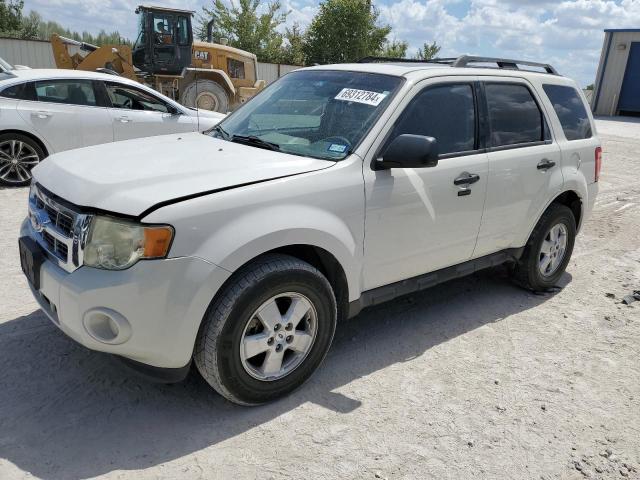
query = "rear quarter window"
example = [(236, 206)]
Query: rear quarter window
[(571, 112), (21, 91)]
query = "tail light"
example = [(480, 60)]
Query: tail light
[(598, 163)]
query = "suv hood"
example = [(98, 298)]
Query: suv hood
[(132, 176)]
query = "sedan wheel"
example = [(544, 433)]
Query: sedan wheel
[(17, 158)]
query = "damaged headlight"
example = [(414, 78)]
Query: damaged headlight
[(115, 244)]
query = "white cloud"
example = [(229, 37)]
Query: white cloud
[(568, 33)]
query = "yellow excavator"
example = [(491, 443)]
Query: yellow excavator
[(207, 75)]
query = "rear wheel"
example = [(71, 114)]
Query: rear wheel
[(18, 155), (206, 95), (548, 250), (268, 330)]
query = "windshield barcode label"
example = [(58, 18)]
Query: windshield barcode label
[(360, 96)]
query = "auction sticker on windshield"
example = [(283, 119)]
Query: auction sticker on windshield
[(361, 96)]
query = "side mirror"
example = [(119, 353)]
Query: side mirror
[(409, 151), (171, 110)]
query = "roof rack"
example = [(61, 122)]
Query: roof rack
[(466, 61)]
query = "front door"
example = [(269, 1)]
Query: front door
[(422, 219), (137, 113)]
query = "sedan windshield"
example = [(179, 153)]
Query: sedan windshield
[(316, 113)]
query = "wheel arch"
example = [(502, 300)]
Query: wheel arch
[(218, 76), (30, 135), (570, 198)]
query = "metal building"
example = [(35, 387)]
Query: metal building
[(617, 88)]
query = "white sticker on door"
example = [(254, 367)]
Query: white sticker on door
[(360, 96)]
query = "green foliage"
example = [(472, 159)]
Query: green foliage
[(428, 51), (247, 29), (394, 49), (344, 31), (12, 22), (293, 50), (589, 87), (46, 29)]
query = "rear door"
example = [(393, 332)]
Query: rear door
[(137, 113), (524, 163), (67, 113)]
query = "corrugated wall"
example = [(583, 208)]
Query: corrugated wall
[(34, 54), (272, 71), (607, 91)]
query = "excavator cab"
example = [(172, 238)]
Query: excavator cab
[(164, 41)]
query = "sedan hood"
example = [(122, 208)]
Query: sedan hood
[(131, 177)]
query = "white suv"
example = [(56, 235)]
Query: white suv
[(337, 188)]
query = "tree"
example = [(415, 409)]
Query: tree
[(344, 31), (428, 51), (293, 50), (245, 28), (394, 49), (12, 23)]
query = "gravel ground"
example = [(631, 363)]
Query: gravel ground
[(472, 379)]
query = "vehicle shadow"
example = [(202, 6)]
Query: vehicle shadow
[(70, 413)]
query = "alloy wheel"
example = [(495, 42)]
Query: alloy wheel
[(17, 158), (278, 336), (552, 250)]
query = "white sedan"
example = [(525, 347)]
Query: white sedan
[(48, 111)]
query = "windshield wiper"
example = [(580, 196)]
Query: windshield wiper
[(223, 133), (255, 142)]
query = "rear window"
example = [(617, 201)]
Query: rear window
[(20, 91), (73, 92), (514, 115), (570, 110)]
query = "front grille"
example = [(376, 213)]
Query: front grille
[(62, 221), (59, 229), (55, 246)]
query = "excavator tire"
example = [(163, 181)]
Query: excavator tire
[(207, 95)]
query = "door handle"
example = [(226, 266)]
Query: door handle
[(546, 164), (124, 119), (466, 178), (42, 114)]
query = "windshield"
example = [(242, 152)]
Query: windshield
[(316, 113), (5, 66)]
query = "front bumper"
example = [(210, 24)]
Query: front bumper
[(149, 313)]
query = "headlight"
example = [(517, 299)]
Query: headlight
[(115, 244)]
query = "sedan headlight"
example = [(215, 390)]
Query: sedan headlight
[(114, 244)]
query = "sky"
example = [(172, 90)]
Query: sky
[(568, 34)]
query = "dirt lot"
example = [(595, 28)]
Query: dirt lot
[(472, 379)]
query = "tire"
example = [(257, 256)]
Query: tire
[(18, 155), (208, 94), (232, 319), (528, 271)]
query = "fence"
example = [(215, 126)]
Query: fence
[(38, 54)]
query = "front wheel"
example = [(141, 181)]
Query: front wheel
[(18, 155), (267, 331), (206, 95), (548, 250)]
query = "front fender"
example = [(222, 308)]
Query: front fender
[(260, 231)]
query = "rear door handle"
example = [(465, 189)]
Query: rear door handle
[(546, 164), (124, 119), (42, 114), (466, 178)]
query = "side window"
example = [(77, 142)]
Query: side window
[(131, 98), (14, 91), (445, 112), (570, 110), (514, 115), (235, 68), (73, 92), (183, 31)]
